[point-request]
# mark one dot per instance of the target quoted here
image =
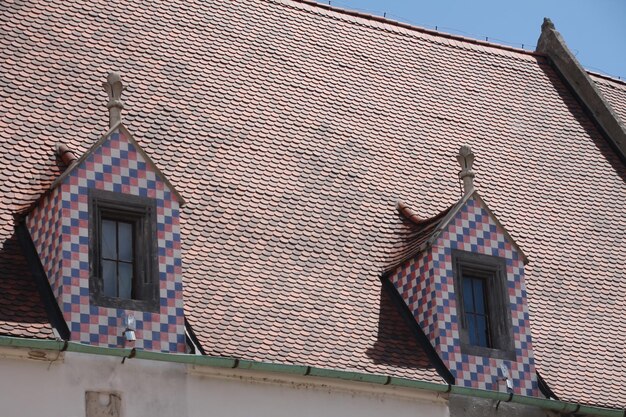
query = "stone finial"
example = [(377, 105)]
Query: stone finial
[(547, 24), (113, 86), (466, 160)]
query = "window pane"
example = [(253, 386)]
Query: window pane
[(471, 328), (479, 295), (125, 236), (481, 324), (109, 250), (109, 278), (468, 299), (125, 279)]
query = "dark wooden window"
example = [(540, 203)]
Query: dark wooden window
[(123, 254), (117, 258), (476, 310), (483, 305)]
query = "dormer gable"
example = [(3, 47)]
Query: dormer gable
[(107, 234), (464, 284)]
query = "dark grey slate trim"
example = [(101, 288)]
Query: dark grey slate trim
[(544, 388), (192, 339)]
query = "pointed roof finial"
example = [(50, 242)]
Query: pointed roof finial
[(113, 86), (547, 24), (466, 160)]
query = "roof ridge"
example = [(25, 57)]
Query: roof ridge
[(385, 20)]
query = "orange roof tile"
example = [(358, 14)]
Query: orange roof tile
[(291, 131)]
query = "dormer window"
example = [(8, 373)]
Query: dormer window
[(482, 299), (108, 237), (117, 255), (476, 310), (123, 268), (462, 278)]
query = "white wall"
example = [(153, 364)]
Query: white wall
[(149, 388)]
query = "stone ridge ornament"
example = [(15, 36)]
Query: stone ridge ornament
[(114, 87), (466, 160)]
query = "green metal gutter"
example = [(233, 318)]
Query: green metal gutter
[(301, 370)]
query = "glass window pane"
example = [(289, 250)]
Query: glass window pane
[(471, 328), (479, 296), (109, 278), (125, 279), (468, 299), (481, 329), (125, 236), (109, 250)]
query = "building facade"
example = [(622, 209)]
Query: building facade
[(270, 216)]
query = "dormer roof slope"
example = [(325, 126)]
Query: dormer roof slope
[(291, 131), (117, 127), (412, 234), (425, 231)]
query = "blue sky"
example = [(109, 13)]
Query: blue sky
[(595, 30)]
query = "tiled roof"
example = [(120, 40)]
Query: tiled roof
[(22, 312), (291, 132), (614, 91), (417, 232), (412, 234)]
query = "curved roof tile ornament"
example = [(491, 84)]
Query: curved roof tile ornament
[(65, 154)]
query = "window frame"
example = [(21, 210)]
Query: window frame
[(493, 270), (141, 212)]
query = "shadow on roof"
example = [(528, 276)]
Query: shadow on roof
[(21, 309), (396, 345)]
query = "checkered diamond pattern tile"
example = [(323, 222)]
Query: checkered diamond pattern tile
[(59, 227), (426, 283)]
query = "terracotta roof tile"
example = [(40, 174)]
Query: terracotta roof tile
[(410, 234), (22, 311), (291, 131), (615, 93)]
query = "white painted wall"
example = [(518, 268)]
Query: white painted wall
[(149, 388)]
